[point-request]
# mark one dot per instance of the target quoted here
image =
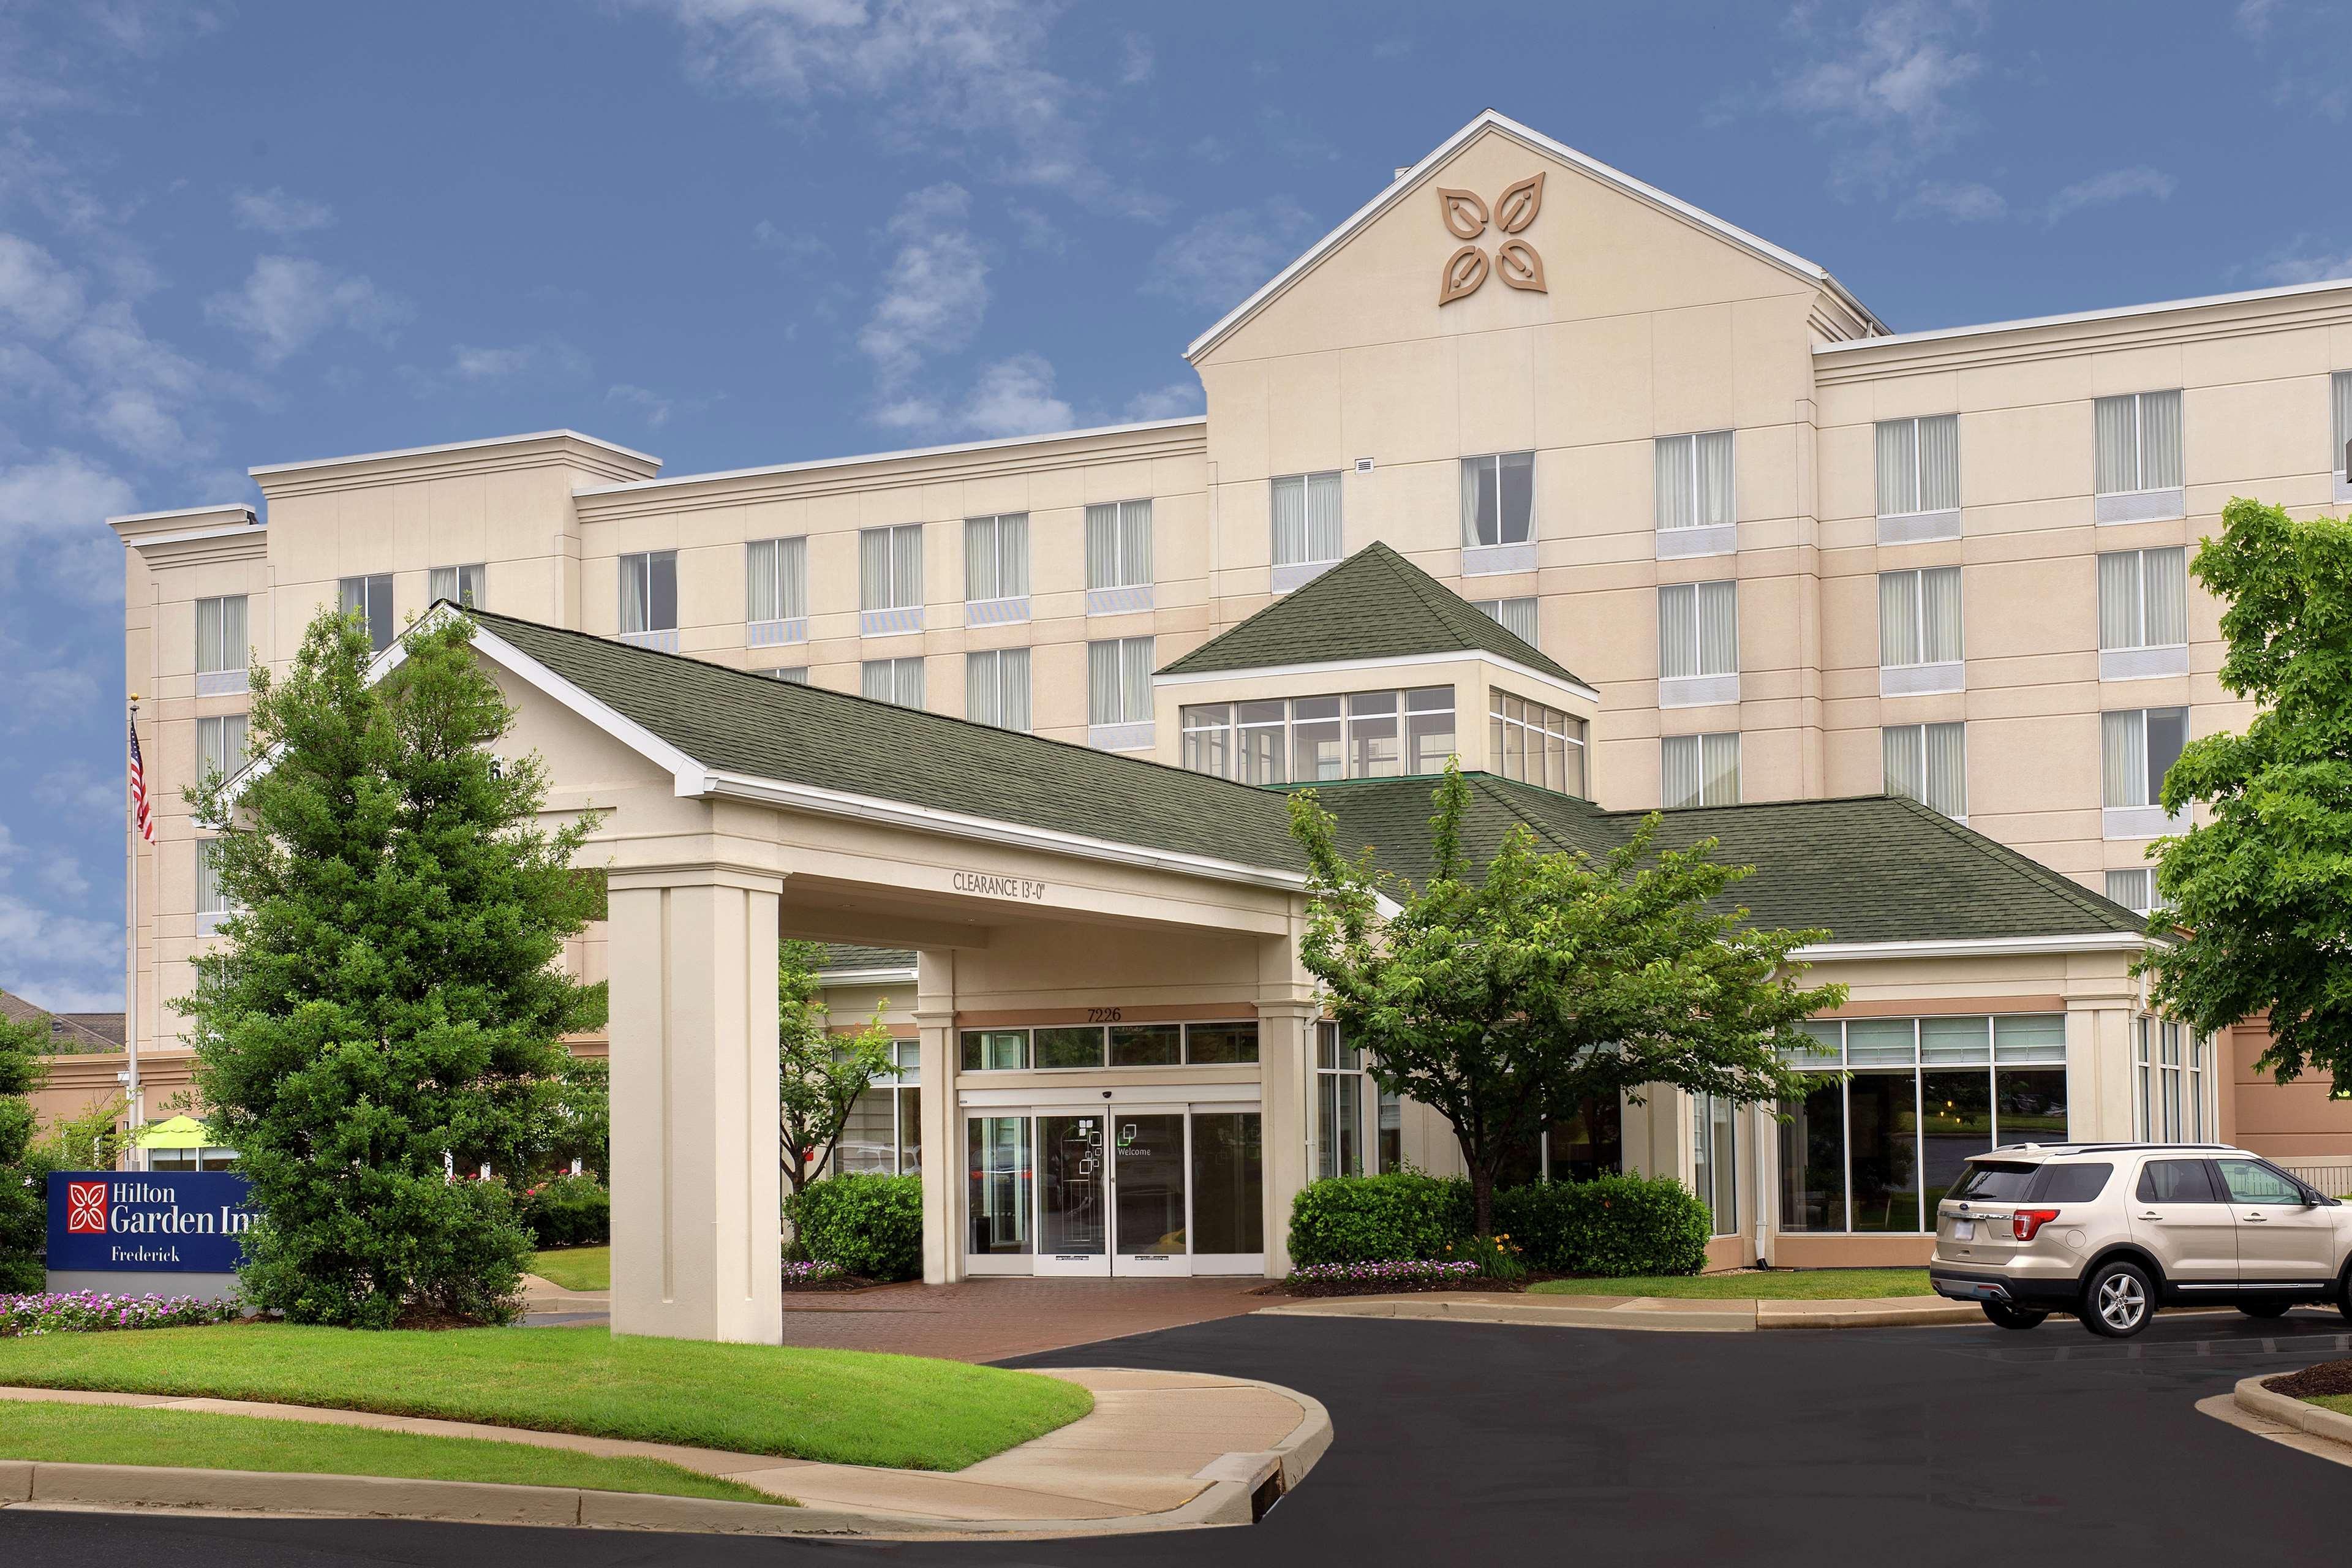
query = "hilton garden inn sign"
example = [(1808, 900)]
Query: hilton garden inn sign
[(137, 1232)]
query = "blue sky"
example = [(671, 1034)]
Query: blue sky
[(733, 232)]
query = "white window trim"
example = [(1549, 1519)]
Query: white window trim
[(2142, 503), (1926, 522), (1921, 677), (1707, 689)]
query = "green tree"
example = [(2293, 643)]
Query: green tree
[(1553, 980), (580, 1123), (24, 1197), (389, 992), (2259, 900), (820, 1073)]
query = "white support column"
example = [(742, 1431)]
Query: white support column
[(1288, 1011), (942, 1126), (698, 1238)]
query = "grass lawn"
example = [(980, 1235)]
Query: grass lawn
[(847, 1407), (575, 1268), (1779, 1284), (114, 1435)]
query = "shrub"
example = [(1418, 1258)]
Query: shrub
[(1371, 1219), (1611, 1224), (869, 1226), (568, 1211)]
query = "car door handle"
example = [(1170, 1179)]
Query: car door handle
[(2152, 1214), (2257, 1219)]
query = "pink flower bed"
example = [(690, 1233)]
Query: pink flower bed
[(90, 1311)]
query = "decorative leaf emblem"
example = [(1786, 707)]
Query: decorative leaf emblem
[(1517, 265), (1517, 206), (1466, 215), (1465, 271)]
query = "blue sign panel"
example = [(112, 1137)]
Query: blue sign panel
[(148, 1222)]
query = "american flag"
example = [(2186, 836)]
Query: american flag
[(139, 788)]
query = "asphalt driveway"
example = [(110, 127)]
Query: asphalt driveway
[(1474, 1444)]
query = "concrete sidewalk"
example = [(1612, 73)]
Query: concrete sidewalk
[(1657, 1313), (1160, 1450)]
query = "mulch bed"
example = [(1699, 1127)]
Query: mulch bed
[(2313, 1382)]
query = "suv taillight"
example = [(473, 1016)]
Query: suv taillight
[(2026, 1224)]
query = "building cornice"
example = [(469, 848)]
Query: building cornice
[(1976, 947), (539, 449), (193, 536)]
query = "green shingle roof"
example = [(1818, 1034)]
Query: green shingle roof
[(842, 955), (1374, 604)]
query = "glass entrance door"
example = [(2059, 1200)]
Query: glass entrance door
[(1149, 1184), (1073, 1195)]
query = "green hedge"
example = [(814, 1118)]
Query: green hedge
[(567, 1211), (1612, 1226), (870, 1226)]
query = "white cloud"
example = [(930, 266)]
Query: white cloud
[(288, 301), (274, 211), (656, 408), (2254, 17), (2115, 185), (936, 287), (60, 875), (61, 961), (40, 294), (793, 245), (2304, 261), (1173, 401), (78, 790), (1961, 202), (1136, 60), (550, 354), (1012, 396), (60, 494), (52, 513), (1888, 87), (1222, 259)]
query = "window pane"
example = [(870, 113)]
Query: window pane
[(635, 580), (1947, 768), (1208, 738), (2117, 438), (1715, 498), (1898, 479), (1315, 736), (1677, 487), (1939, 463), (1134, 542), (1879, 1041), (1373, 736), (1216, 1044), (2250, 1182), (1289, 520), (995, 1050), (1719, 759), (1323, 530), (1339, 1124), (1904, 753), (1882, 1129), (1429, 736), (2131, 889), (1718, 628), (1135, 679), (1955, 1040), (997, 1154), (1146, 1045), (1678, 630), (2166, 576), (1012, 688), (2119, 600), (1587, 1142), (1812, 1161), (1898, 617), (1228, 1183), (1480, 504), (1940, 599), (2123, 772), (1519, 499), (980, 558), (2160, 440), (1072, 1047), (1679, 781), (1956, 1122), (2030, 1037), (2167, 732), (981, 700), (1264, 753), (2030, 1105), (2340, 395), (868, 1144), (1102, 546)]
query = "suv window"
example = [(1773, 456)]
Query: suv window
[(1991, 1181), (2069, 1184), (2176, 1181), (2251, 1181), (1988, 1183)]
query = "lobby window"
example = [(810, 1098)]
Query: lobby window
[(220, 744), (1919, 465), (2138, 748), (2137, 458), (1516, 616), (370, 598), (1092, 1046), (459, 584), (1919, 618), (1338, 1105), (898, 681), (2172, 1082), (883, 1135), (1715, 1159), (221, 649), (2133, 887), (1118, 557), (650, 599), (1698, 643), (1533, 744), (1498, 505), (212, 899), (1365, 734), (1588, 1141), (996, 687), (775, 591), (1698, 770), (2339, 400), (2143, 614), (1119, 693), (1694, 482), (1879, 1151), (996, 568), (1928, 763), (1307, 535), (890, 580)]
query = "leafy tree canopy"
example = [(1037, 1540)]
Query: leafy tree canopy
[(23, 1197), (821, 1072)]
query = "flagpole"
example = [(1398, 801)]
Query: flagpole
[(130, 997)]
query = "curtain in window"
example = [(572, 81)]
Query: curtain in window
[(220, 633), (2160, 440), (1719, 760), (2122, 770), (1012, 688), (907, 565), (220, 744), (634, 572), (1939, 463), (1323, 539), (1518, 618), (1940, 597), (876, 681), (441, 583), (1906, 761), (1679, 782), (1715, 478), (1479, 507), (2340, 394), (1516, 497), (1718, 628), (1134, 543), (1102, 546), (2118, 445), (2119, 604), (1679, 631), (980, 561), (1135, 679), (1677, 504), (1103, 691), (1289, 520), (874, 569), (1013, 556), (209, 898), (898, 681), (1898, 468), (983, 703), (762, 592), (1947, 769), (1898, 617), (2167, 573)]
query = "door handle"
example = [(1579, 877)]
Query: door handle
[(2151, 1215), (2257, 1219)]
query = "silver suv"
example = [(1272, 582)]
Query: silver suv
[(2111, 1231)]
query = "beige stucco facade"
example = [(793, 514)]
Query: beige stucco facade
[(1656, 322)]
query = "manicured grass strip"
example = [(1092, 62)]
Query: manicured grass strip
[(848, 1407), (2339, 1403), (197, 1440), (575, 1268), (1777, 1285)]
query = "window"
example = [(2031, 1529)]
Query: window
[(1698, 770), (212, 900), (221, 649), (1119, 693), (2138, 747), (1698, 643), (883, 1135), (2134, 888), (2339, 397), (1919, 465), (1587, 1142), (1365, 734), (650, 599), (1118, 557), (1533, 744), (220, 744), (1092, 1046), (775, 591), (1928, 763), (1498, 501), (1879, 1151), (996, 568), (1694, 480), (2138, 454), (797, 674), (1919, 616), (459, 584), (996, 687), (2143, 614), (2177, 1181), (370, 598), (1306, 521), (2253, 1181), (1715, 1159), (890, 580), (1338, 1105), (898, 681), (1516, 616), (2172, 1087)]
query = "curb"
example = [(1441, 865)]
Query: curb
[(1733, 1317), (2256, 1400)]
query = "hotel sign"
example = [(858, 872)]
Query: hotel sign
[(990, 886), (1468, 217), (145, 1222)]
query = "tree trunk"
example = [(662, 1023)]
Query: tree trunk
[(1482, 1199)]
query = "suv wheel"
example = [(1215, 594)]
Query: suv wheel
[(2119, 1302), (2264, 1308), (2014, 1317)]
